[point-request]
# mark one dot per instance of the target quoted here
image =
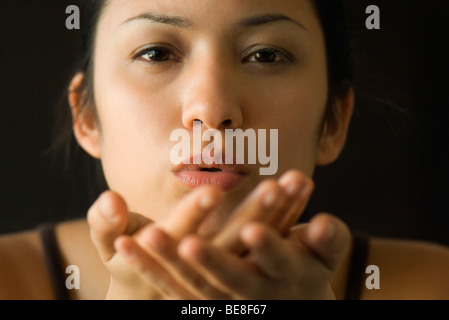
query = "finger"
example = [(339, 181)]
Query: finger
[(150, 270), (291, 183), (261, 205), (226, 271), (163, 249), (268, 250), (299, 189), (107, 219), (328, 237), (190, 212)]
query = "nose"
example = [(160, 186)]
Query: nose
[(211, 95)]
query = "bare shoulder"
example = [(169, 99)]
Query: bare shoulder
[(78, 250), (23, 272), (409, 269), (22, 268)]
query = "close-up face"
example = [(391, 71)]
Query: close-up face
[(224, 149), (160, 65)]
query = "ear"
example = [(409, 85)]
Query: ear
[(85, 126), (333, 139)]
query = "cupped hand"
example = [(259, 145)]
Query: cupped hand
[(152, 252), (118, 235), (296, 267)]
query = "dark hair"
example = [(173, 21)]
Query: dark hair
[(338, 52), (339, 59), (338, 45), (65, 151)]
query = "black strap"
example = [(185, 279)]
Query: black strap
[(356, 273), (53, 261), (357, 266)]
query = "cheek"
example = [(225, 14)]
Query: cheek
[(135, 136), (298, 138), (296, 109)]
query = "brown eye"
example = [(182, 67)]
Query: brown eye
[(269, 56), (156, 54), (266, 56)]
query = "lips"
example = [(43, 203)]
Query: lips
[(223, 176)]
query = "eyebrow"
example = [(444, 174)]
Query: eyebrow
[(181, 22), (164, 19), (265, 19)]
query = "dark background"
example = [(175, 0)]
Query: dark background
[(391, 179)]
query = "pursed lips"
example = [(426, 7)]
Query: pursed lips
[(225, 176)]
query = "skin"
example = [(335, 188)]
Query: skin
[(210, 84), (151, 237), (210, 74)]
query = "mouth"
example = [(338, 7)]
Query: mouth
[(223, 176)]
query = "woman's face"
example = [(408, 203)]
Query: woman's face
[(161, 64)]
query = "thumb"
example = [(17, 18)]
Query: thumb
[(107, 219), (328, 238)]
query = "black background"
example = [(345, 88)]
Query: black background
[(391, 179)]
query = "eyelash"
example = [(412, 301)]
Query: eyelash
[(147, 50), (278, 53)]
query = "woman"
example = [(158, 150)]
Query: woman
[(209, 230)]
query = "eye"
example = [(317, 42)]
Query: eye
[(269, 56), (155, 54)]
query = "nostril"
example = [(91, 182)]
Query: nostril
[(227, 123), (213, 125)]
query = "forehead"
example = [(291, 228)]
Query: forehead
[(209, 14)]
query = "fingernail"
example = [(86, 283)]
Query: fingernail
[(294, 189), (107, 211), (156, 240), (191, 248), (269, 199), (206, 202)]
